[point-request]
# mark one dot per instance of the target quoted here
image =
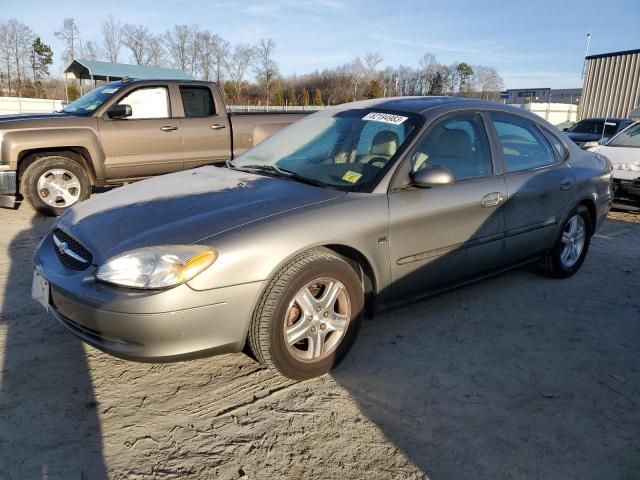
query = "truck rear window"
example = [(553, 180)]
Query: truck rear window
[(197, 101)]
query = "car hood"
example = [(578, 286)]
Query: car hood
[(183, 208), (619, 156), (583, 137), (31, 116)]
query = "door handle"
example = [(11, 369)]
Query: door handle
[(168, 128), (566, 184), (491, 200), (217, 126)]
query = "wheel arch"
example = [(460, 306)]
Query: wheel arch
[(77, 154), (590, 205), (365, 271)]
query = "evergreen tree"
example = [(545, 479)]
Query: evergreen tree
[(317, 98), (305, 97), (41, 57), (373, 90), (437, 85), (293, 100)]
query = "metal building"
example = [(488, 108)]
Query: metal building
[(612, 85)]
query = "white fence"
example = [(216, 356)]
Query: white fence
[(12, 105), (554, 113)]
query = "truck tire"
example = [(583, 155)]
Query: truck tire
[(54, 183), (308, 317)]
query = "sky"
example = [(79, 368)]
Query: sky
[(533, 44)]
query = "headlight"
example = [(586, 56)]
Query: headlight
[(157, 267), (590, 144), (630, 167)]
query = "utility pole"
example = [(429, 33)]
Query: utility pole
[(584, 65)]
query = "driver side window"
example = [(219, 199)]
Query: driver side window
[(458, 143), (150, 102)]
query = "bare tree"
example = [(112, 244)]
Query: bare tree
[(208, 62), (371, 62), (21, 38), (179, 42), (111, 38), (70, 35), (237, 64), (266, 67), (486, 79), (222, 52), (137, 39), (156, 53), (358, 73), (92, 51), (5, 52)]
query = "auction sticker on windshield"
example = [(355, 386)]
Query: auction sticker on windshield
[(351, 177), (385, 118)]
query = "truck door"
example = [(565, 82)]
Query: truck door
[(206, 133), (146, 143)]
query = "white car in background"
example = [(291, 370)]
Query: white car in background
[(623, 151)]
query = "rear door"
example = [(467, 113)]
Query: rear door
[(145, 144), (441, 235), (206, 133), (541, 183)]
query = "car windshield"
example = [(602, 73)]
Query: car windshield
[(629, 137), (595, 127), (91, 101), (345, 149)]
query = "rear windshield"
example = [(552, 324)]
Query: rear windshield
[(347, 149)]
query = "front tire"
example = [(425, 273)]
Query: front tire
[(571, 246), (308, 316), (54, 183)]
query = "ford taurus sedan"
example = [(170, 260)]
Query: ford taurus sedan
[(283, 252)]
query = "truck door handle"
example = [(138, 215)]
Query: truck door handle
[(491, 200), (566, 184), (168, 128), (217, 126)]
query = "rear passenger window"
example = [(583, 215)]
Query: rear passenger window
[(558, 146), (197, 101), (523, 146)]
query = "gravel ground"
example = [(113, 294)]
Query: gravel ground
[(516, 377)]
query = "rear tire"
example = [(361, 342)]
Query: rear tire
[(571, 246), (54, 183), (308, 316)]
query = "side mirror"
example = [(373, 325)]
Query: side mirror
[(432, 176), (119, 111)]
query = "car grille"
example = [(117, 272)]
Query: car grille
[(70, 252)]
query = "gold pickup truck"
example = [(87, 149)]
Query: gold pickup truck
[(121, 132)]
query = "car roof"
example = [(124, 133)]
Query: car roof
[(602, 119)]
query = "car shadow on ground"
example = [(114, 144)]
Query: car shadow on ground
[(49, 426), (467, 389)]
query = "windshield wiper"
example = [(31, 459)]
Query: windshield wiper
[(278, 172)]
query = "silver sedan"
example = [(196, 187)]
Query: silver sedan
[(282, 253)]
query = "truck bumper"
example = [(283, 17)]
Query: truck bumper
[(8, 187)]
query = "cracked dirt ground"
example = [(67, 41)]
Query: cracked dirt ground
[(516, 377)]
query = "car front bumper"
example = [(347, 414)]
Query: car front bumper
[(627, 189), (155, 326), (8, 186)]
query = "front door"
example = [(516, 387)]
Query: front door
[(206, 133), (442, 235), (146, 143)]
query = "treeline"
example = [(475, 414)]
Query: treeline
[(249, 74)]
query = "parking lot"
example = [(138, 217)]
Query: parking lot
[(518, 377)]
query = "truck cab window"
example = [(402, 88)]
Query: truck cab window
[(197, 101), (152, 102)]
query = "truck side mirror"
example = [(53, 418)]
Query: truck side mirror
[(119, 111), (432, 176)]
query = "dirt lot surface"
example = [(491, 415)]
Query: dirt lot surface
[(516, 377)]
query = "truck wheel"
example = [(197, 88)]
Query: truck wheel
[(54, 183), (308, 316)]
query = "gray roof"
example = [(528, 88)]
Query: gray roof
[(88, 69)]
